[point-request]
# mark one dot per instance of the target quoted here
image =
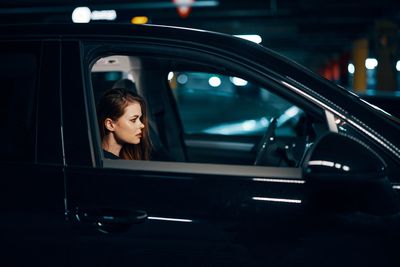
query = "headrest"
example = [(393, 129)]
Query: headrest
[(126, 84)]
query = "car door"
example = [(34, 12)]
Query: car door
[(186, 213), (34, 230), (201, 213)]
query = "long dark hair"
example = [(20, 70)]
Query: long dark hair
[(112, 105)]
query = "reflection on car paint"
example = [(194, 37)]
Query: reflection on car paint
[(169, 219), (284, 200), (288, 181)]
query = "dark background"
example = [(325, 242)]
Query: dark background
[(324, 36)]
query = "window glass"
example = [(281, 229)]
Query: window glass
[(223, 105), (221, 119), (18, 78)]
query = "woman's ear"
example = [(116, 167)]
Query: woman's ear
[(109, 124)]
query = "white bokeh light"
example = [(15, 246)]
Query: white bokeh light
[(81, 14), (214, 81), (351, 68), (170, 75), (103, 15), (371, 63), (238, 81)]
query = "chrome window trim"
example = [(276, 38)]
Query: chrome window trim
[(205, 168)]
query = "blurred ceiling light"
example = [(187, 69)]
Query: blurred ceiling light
[(398, 65), (238, 82), (214, 81), (251, 37), (184, 7), (103, 15), (170, 75), (81, 15), (85, 15), (351, 68), (371, 63), (139, 20)]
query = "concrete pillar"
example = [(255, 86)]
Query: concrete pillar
[(359, 55)]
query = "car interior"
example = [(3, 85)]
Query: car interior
[(207, 114)]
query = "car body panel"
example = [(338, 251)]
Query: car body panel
[(33, 193)]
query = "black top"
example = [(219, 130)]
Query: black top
[(160, 155), (109, 155)]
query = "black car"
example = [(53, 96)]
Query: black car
[(388, 101), (266, 163)]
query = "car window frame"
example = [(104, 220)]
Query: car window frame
[(93, 50)]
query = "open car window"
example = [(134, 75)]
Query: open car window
[(202, 115)]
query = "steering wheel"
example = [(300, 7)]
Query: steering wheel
[(267, 138)]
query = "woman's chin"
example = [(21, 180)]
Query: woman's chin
[(135, 142)]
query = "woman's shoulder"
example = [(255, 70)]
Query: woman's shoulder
[(109, 155)]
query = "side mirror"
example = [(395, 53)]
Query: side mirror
[(343, 175)]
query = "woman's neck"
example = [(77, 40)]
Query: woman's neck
[(110, 144)]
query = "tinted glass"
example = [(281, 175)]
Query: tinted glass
[(18, 79)]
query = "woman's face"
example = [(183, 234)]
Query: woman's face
[(128, 127)]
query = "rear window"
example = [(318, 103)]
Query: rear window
[(18, 80)]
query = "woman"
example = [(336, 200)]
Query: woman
[(123, 125)]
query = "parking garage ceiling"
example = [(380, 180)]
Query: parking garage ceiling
[(308, 31)]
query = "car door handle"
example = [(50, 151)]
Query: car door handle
[(110, 220)]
